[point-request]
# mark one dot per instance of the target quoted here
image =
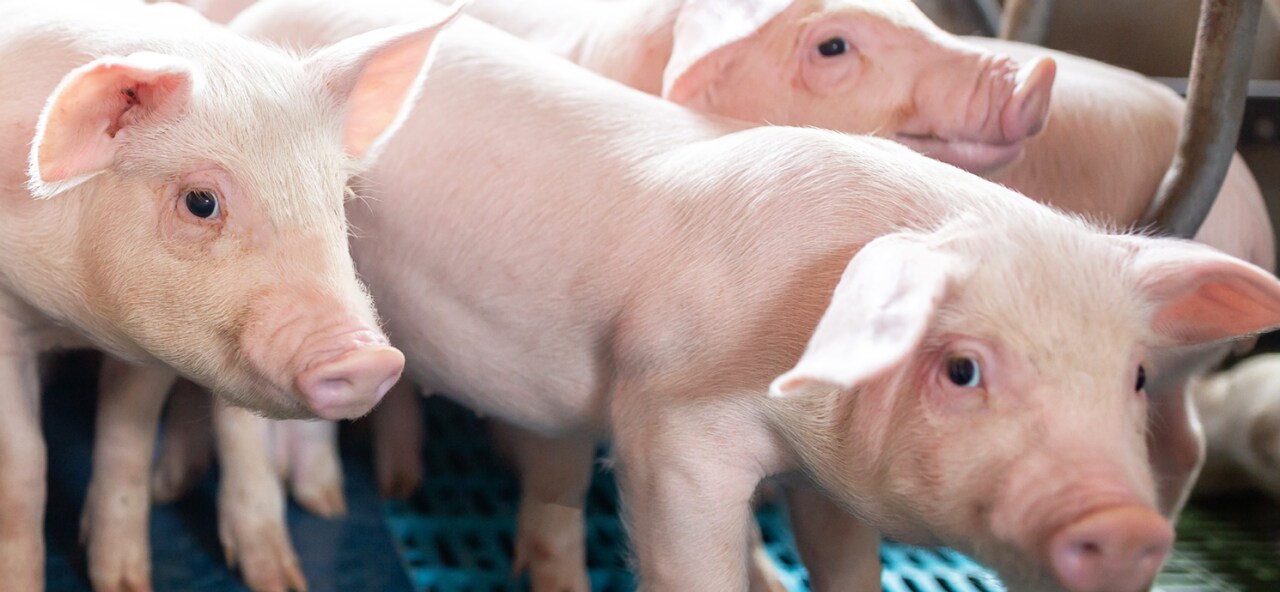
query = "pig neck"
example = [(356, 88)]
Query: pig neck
[(41, 278)]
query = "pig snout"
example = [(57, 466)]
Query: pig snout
[(323, 358), (1007, 105), (350, 385), (1118, 549), (1028, 107)]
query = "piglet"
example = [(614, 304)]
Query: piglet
[(942, 359), (1240, 409), (174, 197), (882, 67)]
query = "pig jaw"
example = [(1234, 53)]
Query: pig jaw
[(337, 364)]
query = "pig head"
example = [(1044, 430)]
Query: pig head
[(199, 189), (1011, 429), (859, 66)]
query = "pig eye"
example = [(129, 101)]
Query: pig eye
[(1142, 379), (833, 47), (964, 372), (202, 203)]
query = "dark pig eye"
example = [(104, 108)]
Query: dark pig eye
[(202, 203), (833, 47), (964, 372), (1142, 379)]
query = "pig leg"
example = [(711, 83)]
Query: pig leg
[(763, 574), (555, 474), (1175, 445), (840, 551), (186, 447), (22, 463), (118, 504), (308, 455), (686, 495), (397, 441), (251, 503)]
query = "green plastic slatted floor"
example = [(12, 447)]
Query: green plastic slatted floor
[(456, 534)]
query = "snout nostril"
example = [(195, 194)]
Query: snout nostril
[(1115, 549), (351, 385)]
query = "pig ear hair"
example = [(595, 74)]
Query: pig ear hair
[(378, 75), (881, 309), (92, 111), (707, 34), (1202, 295)]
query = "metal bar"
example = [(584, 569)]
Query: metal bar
[(1215, 105), (1026, 20), (989, 11)]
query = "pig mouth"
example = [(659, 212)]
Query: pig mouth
[(971, 155)]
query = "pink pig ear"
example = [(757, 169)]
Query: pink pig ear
[(880, 311), (707, 38), (93, 110), (378, 74), (1203, 295)]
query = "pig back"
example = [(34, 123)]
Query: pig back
[(532, 216)]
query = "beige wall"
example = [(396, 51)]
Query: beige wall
[(1154, 37)]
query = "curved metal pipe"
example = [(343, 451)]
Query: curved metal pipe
[(1215, 104), (1026, 20)]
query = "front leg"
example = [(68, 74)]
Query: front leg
[(398, 435), (251, 503), (307, 452), (186, 446), (686, 478), (555, 474), (841, 552), (118, 504), (23, 460)]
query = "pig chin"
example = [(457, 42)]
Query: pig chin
[(977, 157)]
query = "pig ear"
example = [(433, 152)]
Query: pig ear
[(1202, 295), (708, 36), (94, 109), (880, 311), (378, 75)]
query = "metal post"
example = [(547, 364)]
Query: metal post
[(1026, 20), (1215, 105)]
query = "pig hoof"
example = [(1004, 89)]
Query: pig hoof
[(318, 487), (264, 555), (119, 565), (266, 561), (399, 475), (551, 568)]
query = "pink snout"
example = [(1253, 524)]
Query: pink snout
[(352, 384), (1114, 550), (1028, 108)]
